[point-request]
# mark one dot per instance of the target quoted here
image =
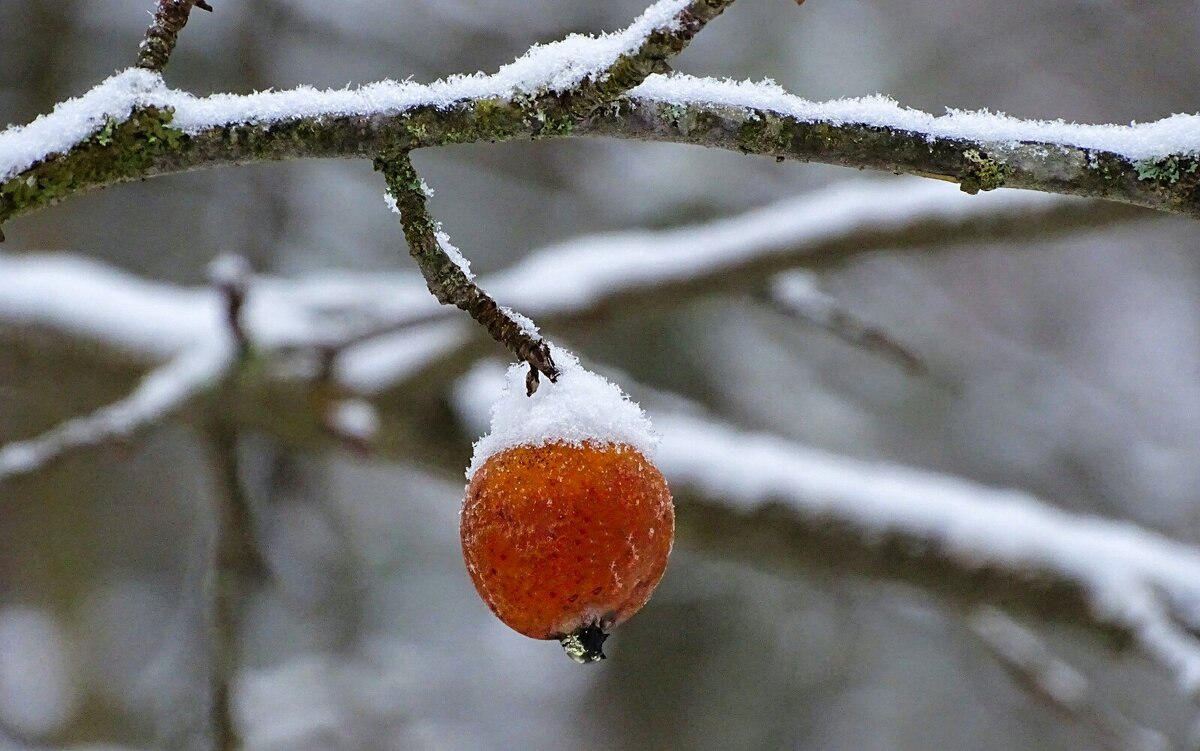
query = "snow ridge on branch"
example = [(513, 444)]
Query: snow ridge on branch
[(552, 68), (782, 506), (152, 322), (581, 86)]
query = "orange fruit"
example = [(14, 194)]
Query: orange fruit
[(567, 541)]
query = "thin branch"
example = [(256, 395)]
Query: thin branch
[(662, 41), (169, 19), (237, 566), (796, 293), (449, 282), (161, 394), (1048, 678)]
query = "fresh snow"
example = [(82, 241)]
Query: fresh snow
[(354, 418), (581, 407), (91, 300), (443, 240), (1132, 576), (453, 253), (155, 320), (1177, 134), (557, 67), (553, 67)]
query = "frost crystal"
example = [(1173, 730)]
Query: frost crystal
[(454, 253), (581, 406)]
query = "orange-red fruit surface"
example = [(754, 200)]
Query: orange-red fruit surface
[(559, 537)]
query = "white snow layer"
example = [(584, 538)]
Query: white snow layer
[(1133, 576), (557, 67), (550, 67), (581, 407), (577, 273)]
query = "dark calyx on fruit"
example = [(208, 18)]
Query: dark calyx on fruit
[(585, 645)]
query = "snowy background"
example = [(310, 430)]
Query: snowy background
[(1066, 368)]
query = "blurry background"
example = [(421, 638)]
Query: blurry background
[(1069, 368)]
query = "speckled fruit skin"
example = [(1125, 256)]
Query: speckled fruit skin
[(559, 537)]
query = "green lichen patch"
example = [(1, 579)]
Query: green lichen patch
[(983, 173), (1167, 170), (118, 150), (764, 134)]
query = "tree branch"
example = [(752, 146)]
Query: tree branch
[(237, 566), (447, 278), (1046, 677), (169, 19), (132, 127), (137, 325), (785, 507), (797, 294)]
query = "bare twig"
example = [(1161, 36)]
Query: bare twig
[(230, 275), (169, 19), (1050, 679), (797, 294), (447, 280), (238, 564)]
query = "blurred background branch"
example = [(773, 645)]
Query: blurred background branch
[(782, 526)]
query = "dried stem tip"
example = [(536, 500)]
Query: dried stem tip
[(585, 645)]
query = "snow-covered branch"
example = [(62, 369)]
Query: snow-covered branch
[(132, 126), (159, 396), (372, 321), (797, 294)]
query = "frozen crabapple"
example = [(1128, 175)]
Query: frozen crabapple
[(567, 541), (566, 526)]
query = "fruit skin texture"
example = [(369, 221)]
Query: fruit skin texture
[(558, 538)]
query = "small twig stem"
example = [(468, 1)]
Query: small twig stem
[(169, 19), (448, 282), (652, 56)]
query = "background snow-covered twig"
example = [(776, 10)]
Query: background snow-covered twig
[(1134, 580), (156, 399)]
